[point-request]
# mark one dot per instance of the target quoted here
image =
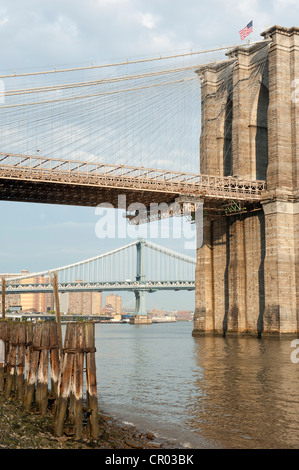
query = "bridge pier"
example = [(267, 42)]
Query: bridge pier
[(140, 320), (140, 317), (229, 281), (281, 268), (247, 274)]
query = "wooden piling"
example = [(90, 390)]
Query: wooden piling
[(65, 377), (2, 363), (91, 380), (76, 396), (79, 341), (21, 327), (2, 357), (28, 351), (54, 359), (78, 380), (29, 348), (43, 372), (11, 361), (32, 366), (54, 281), (29, 339), (4, 336)]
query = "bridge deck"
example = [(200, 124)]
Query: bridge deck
[(148, 286), (44, 180)]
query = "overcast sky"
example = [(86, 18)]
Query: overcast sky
[(37, 34)]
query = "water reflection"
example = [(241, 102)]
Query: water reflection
[(247, 394), (209, 392)]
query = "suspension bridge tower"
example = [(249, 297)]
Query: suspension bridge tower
[(247, 275), (140, 316)]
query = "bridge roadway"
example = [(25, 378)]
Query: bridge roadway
[(66, 317), (43, 180), (145, 286)]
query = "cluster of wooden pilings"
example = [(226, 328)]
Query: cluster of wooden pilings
[(44, 376)]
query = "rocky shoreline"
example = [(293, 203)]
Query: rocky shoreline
[(20, 430)]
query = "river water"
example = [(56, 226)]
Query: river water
[(199, 392)]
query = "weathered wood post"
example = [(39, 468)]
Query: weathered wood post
[(54, 359), (79, 341), (32, 367), (42, 374), (4, 336), (54, 281), (76, 398), (3, 297), (91, 380), (2, 362), (29, 338), (65, 377), (11, 362), (21, 360)]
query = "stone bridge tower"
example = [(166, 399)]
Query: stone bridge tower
[(247, 275)]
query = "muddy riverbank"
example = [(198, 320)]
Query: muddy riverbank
[(20, 430)]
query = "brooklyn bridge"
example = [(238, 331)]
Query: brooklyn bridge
[(87, 135)]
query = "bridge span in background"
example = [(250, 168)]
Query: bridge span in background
[(139, 267)]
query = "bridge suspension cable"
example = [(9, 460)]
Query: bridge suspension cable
[(142, 112), (127, 62), (225, 92), (120, 265)]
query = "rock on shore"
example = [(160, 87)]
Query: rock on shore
[(20, 430)]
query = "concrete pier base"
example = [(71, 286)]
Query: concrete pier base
[(141, 320)]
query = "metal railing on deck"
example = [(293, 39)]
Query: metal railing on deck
[(37, 168)]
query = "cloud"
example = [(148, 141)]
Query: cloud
[(147, 20), (286, 3), (66, 26), (111, 4), (3, 21)]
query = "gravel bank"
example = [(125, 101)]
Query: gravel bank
[(20, 430)]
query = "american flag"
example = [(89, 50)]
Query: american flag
[(247, 30)]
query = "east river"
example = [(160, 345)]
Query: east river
[(200, 392)]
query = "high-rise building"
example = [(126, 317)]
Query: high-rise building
[(29, 301), (116, 303), (87, 303), (96, 303), (11, 300), (39, 301)]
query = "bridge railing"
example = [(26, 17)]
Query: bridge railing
[(148, 286), (37, 168)]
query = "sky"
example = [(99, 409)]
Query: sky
[(37, 35)]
